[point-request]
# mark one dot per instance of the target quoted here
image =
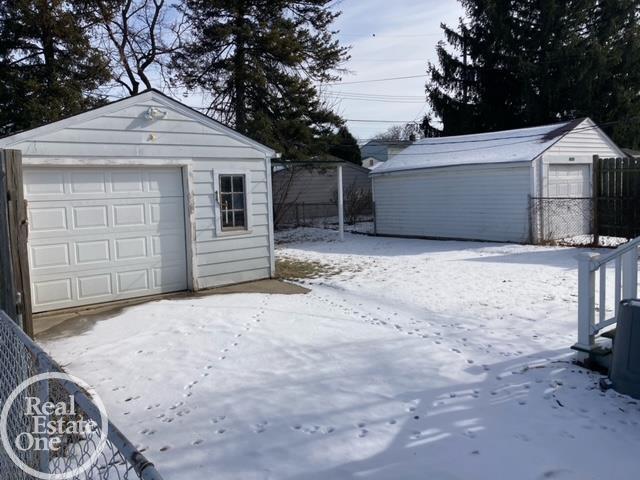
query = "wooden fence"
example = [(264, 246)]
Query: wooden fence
[(15, 285), (617, 193)]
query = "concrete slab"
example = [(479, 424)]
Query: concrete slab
[(73, 321)]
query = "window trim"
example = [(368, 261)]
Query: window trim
[(223, 231)]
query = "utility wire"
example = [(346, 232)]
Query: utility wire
[(376, 80)]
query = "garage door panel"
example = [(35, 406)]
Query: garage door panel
[(132, 281), (162, 182), (52, 292), (166, 276), (38, 183), (49, 255), (87, 182), (92, 287), (127, 215), (129, 248), (46, 219), (92, 251), (127, 181), (165, 212), (90, 217), (113, 234)]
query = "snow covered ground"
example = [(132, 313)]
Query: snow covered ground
[(420, 360)]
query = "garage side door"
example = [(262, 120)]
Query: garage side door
[(569, 181), (103, 234), (572, 217)]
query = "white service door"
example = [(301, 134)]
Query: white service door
[(568, 218), (103, 234)]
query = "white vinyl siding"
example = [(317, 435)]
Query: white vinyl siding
[(468, 202), (317, 185), (243, 255), (125, 134), (120, 135), (585, 139)]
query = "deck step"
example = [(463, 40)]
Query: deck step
[(610, 334)]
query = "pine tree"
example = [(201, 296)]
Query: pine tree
[(516, 64), (49, 68), (345, 146), (258, 60)]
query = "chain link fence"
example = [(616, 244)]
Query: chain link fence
[(562, 221), (324, 215), (116, 457)]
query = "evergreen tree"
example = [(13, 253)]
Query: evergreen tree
[(345, 146), (49, 69), (516, 64), (259, 59)]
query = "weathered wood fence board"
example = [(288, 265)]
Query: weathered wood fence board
[(16, 284), (617, 183)]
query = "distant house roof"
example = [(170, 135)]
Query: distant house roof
[(388, 143), (520, 145), (631, 153)]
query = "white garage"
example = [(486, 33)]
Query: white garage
[(483, 186), (140, 197)]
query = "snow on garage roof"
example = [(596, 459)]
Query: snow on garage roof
[(507, 146)]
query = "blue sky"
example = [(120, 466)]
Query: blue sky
[(388, 38)]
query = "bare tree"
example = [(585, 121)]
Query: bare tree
[(283, 204), (138, 36), (408, 131)]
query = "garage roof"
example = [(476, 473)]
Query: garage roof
[(123, 103), (508, 146)]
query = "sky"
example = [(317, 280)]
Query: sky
[(388, 38)]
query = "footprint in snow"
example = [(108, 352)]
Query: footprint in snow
[(259, 427), (198, 442), (363, 433)]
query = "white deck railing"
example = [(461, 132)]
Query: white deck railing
[(592, 320)]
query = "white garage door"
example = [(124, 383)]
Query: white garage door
[(568, 180), (568, 218), (103, 234)]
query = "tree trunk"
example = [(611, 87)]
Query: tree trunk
[(48, 46), (239, 76)]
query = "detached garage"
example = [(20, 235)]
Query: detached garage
[(139, 197), (480, 187)]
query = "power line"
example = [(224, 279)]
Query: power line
[(377, 80), (375, 35), (377, 121), (379, 100)]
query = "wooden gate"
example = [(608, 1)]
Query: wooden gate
[(15, 286), (617, 193)]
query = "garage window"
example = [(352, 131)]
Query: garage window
[(233, 205)]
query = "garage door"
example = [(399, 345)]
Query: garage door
[(569, 180), (104, 234)]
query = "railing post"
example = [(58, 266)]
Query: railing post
[(586, 300), (630, 274), (44, 396)]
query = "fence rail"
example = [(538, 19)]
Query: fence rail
[(594, 297), (21, 359)]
